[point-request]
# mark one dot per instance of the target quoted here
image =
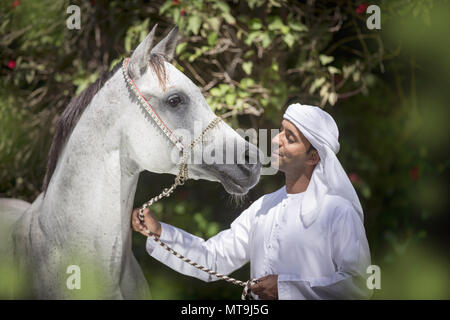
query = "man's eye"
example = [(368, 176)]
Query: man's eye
[(174, 100)]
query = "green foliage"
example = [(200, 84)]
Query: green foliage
[(251, 59)]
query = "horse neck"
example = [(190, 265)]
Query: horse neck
[(92, 189)]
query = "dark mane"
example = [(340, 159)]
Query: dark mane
[(77, 105), (69, 119)]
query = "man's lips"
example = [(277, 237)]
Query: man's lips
[(276, 154)]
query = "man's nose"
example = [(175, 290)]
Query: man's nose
[(276, 139)]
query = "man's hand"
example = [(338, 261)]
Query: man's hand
[(150, 222), (266, 288)]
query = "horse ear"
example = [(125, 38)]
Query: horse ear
[(166, 47), (141, 55)]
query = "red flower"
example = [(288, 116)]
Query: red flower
[(414, 172), (362, 8), (15, 3), (11, 64), (182, 12), (175, 2), (354, 178)]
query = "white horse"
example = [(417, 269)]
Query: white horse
[(104, 139)]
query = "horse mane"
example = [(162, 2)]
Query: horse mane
[(69, 118)]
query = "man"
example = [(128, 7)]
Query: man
[(304, 241)]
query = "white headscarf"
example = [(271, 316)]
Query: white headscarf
[(328, 176)]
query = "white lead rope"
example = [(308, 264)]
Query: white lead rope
[(245, 293)]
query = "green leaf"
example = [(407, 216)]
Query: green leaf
[(243, 94), (369, 79), (266, 40), (223, 6), (179, 208), (128, 43), (324, 59), (194, 23), (247, 67), (255, 24), (249, 54), (332, 98), (348, 70), (213, 229), (214, 23), (253, 3), (201, 221), (113, 63), (333, 70), (252, 36), (275, 3), (212, 38), (165, 6), (224, 88), (317, 83), (276, 24), (297, 26), (176, 16), (274, 67), (289, 40), (198, 52), (229, 18), (230, 98), (180, 48), (215, 92), (247, 82), (285, 29), (366, 192)]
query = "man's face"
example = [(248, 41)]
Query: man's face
[(291, 155)]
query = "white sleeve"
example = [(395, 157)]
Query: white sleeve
[(351, 257), (225, 252)]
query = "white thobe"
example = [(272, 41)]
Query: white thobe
[(327, 260)]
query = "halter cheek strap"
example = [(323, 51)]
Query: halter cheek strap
[(165, 129)]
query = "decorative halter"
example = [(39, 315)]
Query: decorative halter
[(180, 179)]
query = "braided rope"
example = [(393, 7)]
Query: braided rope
[(246, 291), (179, 180)]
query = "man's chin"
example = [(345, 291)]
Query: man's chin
[(276, 164)]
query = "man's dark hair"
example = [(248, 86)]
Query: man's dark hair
[(311, 148)]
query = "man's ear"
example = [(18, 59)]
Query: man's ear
[(141, 55), (313, 158)]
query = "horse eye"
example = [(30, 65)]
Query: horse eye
[(174, 100)]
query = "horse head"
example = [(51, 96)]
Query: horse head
[(182, 113)]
